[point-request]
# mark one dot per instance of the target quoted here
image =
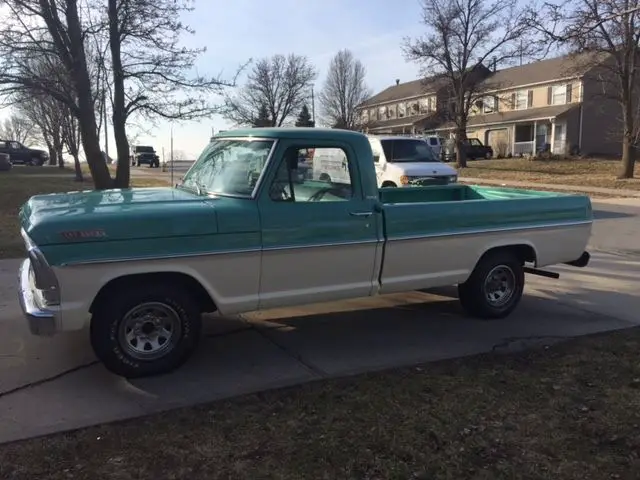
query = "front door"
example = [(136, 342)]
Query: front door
[(321, 239)]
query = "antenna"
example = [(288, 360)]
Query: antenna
[(172, 155)]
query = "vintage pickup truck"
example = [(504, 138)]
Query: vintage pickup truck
[(247, 230)]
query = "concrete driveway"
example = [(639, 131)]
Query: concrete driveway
[(54, 384)]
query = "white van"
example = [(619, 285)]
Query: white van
[(399, 162)]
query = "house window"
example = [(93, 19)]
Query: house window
[(382, 113), (425, 105), (558, 94), (415, 108), (364, 116), (402, 110), (489, 104), (391, 112), (522, 99), (373, 114)]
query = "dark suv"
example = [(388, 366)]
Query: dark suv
[(143, 154), (473, 147), (21, 155)]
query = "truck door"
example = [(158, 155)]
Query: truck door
[(321, 240)]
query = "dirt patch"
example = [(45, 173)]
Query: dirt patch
[(567, 412), (579, 172), (17, 186)]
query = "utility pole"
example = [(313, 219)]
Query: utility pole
[(106, 135), (172, 155), (313, 107)]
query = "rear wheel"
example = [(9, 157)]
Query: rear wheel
[(388, 185), (145, 332), (488, 156), (494, 288)]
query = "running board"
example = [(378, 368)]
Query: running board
[(541, 273)]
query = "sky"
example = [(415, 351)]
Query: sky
[(234, 32)]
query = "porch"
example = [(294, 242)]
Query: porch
[(530, 139)]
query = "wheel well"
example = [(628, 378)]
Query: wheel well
[(524, 252), (324, 177), (189, 283), (388, 183)]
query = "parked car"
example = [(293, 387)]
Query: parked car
[(21, 155), (140, 266), (143, 154), (5, 162), (474, 149)]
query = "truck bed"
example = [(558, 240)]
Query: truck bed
[(424, 225)]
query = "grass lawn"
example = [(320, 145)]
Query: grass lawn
[(579, 172), (20, 183), (568, 412)]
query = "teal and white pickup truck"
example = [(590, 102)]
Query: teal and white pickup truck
[(249, 229)]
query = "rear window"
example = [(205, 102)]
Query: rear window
[(408, 151)]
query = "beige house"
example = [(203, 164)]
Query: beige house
[(409, 107), (551, 105)]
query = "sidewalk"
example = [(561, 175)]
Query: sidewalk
[(595, 191)]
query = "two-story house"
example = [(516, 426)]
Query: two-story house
[(550, 105), (409, 107), (541, 106)]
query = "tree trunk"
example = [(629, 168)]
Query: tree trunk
[(86, 114), (53, 158), (628, 148), (57, 146), (123, 170), (78, 168), (461, 154)]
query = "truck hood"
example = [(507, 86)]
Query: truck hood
[(93, 216), (424, 169)]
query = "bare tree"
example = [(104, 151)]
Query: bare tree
[(51, 32), (344, 89), (610, 30), (465, 35), (71, 138), (19, 128), (47, 114), (280, 84), (150, 69)]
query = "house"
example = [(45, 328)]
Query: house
[(549, 105), (409, 107)]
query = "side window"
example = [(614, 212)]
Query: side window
[(433, 141), (474, 141), (14, 145), (312, 174), (376, 149)]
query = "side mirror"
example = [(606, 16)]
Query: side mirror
[(376, 158)]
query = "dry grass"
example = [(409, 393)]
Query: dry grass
[(21, 183), (579, 172), (568, 412)]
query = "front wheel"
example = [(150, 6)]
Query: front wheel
[(145, 332), (494, 288), (488, 155)]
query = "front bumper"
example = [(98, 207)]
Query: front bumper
[(42, 321)]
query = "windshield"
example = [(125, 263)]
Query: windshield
[(229, 167), (145, 150), (408, 150)]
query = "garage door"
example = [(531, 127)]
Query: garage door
[(498, 139)]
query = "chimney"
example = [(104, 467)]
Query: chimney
[(397, 81)]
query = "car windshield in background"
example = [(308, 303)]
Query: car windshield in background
[(229, 167), (144, 150), (408, 150)]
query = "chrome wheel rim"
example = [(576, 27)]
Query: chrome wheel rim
[(499, 286), (149, 331)]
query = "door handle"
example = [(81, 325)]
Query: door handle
[(361, 214)]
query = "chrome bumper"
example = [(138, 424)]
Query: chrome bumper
[(42, 321)]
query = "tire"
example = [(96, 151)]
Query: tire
[(36, 162), (389, 185), (502, 265), (132, 359), (324, 177), (488, 155)]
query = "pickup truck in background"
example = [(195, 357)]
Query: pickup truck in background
[(473, 147), (245, 231), (21, 155)]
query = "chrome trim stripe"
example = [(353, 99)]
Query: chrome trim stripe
[(490, 230), (324, 245)]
